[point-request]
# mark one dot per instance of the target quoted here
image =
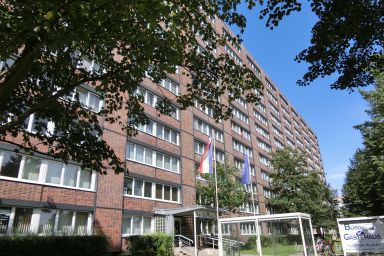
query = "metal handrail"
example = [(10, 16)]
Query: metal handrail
[(181, 238)]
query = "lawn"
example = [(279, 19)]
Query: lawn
[(280, 250)]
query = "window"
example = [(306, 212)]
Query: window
[(285, 111), (239, 165), (261, 107), (296, 123), (10, 164), (248, 228), (267, 193), (276, 120), (298, 142), (151, 157), (37, 170), (290, 143), (242, 102), (274, 108), (241, 131), (231, 40), (136, 225), (273, 98), (264, 146), (151, 99), (298, 134), (277, 131), (294, 112), (262, 131), (287, 131), (242, 148), (170, 85), (265, 176), (265, 160), (233, 55), (278, 143), (207, 129), (258, 93), (90, 65), (144, 189), (160, 131), (87, 98), (270, 86), (285, 102), (260, 117), (159, 224), (243, 117), (254, 67), (5, 214), (34, 124), (287, 122), (199, 149), (26, 221), (207, 110), (248, 207)]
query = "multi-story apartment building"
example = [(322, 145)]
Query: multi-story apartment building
[(45, 196)]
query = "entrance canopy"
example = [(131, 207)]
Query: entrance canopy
[(276, 234)]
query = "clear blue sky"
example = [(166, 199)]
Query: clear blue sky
[(331, 113)]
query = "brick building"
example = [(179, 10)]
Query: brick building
[(44, 196)]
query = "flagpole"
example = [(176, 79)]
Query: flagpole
[(216, 194), (252, 196), (257, 227)]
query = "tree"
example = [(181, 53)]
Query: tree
[(50, 48), (363, 189), (347, 39), (296, 188), (231, 193)]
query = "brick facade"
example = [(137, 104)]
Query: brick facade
[(108, 200)]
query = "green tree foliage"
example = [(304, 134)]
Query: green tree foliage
[(363, 189), (45, 44), (231, 192), (347, 39), (296, 188)]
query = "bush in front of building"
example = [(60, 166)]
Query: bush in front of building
[(150, 245), (53, 246), (267, 241)]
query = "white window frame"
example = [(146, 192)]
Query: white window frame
[(154, 153), (43, 172)]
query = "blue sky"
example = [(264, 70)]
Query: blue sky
[(331, 113)]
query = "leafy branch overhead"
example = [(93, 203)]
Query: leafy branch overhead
[(53, 48), (50, 48)]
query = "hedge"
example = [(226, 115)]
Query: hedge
[(150, 245), (53, 246)]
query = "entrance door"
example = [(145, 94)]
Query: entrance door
[(177, 226)]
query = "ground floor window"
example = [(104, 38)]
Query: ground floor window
[(136, 225), (24, 221), (247, 228), (159, 224)]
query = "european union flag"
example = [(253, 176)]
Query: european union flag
[(245, 178)]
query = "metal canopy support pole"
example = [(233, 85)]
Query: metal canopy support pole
[(313, 238), (195, 231), (220, 245), (302, 236), (258, 241)]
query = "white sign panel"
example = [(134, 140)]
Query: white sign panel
[(365, 235)]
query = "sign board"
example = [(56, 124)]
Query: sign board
[(364, 234)]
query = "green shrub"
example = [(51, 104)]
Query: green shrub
[(150, 245), (53, 246)]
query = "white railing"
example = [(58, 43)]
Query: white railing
[(183, 245)]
